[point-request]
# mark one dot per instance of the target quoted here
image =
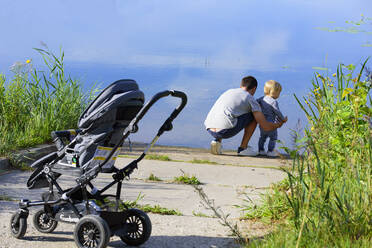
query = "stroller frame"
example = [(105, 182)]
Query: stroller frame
[(108, 222)]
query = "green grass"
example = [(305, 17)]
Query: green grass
[(6, 198), (156, 209), (325, 200), (158, 157), (287, 238), (186, 179), (199, 161), (152, 177), (33, 103), (272, 207), (19, 164)]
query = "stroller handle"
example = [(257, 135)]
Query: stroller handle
[(174, 93), (183, 97)]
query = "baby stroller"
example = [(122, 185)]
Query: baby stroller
[(84, 153)]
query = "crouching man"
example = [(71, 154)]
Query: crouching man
[(235, 110)]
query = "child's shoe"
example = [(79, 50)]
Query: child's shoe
[(262, 153), (272, 154), (247, 152), (216, 147)]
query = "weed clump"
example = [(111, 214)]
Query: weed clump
[(111, 204), (33, 103), (158, 157), (152, 177), (326, 199), (200, 161), (186, 179)]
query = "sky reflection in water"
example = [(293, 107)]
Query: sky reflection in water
[(200, 47)]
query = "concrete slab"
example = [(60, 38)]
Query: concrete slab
[(4, 164), (223, 183)]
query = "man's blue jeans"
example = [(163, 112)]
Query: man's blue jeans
[(243, 121)]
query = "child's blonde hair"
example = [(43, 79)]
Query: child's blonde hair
[(272, 88)]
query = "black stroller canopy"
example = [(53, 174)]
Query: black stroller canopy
[(113, 96)]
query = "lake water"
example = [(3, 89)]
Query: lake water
[(200, 47)]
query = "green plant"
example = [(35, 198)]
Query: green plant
[(285, 236), (199, 161), (329, 191), (159, 210), (218, 213), (152, 177), (272, 207), (33, 103), (6, 198), (158, 157), (122, 206), (186, 179)]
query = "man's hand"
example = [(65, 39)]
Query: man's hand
[(285, 119), (266, 125)]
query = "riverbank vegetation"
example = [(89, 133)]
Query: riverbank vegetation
[(326, 199), (33, 102)]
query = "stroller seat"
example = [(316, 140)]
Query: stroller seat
[(101, 126)]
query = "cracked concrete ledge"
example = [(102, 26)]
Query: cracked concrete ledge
[(4, 163), (27, 156)]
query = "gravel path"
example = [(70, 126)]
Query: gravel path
[(222, 183)]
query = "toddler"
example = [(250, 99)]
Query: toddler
[(270, 109)]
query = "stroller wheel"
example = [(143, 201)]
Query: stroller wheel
[(91, 231), (18, 229), (138, 227), (43, 222)]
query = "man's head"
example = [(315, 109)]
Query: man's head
[(249, 84)]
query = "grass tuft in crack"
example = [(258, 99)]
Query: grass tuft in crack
[(152, 177), (218, 213)]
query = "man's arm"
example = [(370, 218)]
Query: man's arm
[(266, 125)]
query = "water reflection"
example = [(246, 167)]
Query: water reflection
[(200, 47)]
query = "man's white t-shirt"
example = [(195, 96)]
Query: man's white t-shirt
[(231, 104)]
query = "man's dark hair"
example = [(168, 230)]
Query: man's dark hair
[(249, 82)]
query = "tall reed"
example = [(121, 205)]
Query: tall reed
[(329, 190), (33, 103)]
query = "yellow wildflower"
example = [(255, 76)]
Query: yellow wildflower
[(28, 61), (334, 74), (346, 92)]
